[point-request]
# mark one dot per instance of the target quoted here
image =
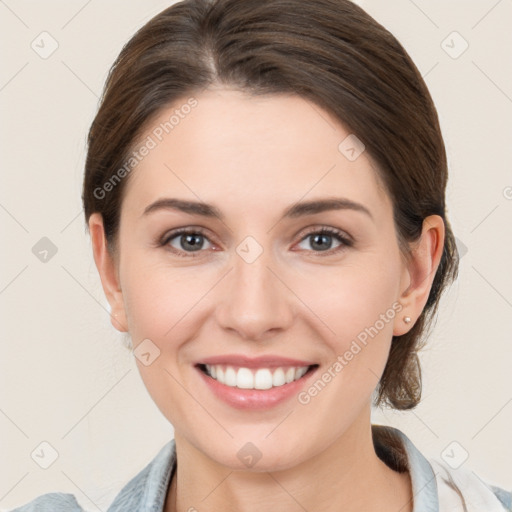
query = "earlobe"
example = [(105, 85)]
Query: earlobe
[(107, 270), (420, 272)]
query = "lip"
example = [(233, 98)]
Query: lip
[(255, 399), (267, 361)]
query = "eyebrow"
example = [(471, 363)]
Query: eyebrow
[(297, 210)]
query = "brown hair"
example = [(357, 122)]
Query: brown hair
[(330, 52)]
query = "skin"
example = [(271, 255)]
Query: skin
[(253, 157)]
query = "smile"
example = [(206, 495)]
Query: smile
[(256, 378)]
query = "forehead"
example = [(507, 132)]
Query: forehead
[(230, 146)]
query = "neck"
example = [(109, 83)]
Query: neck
[(347, 475)]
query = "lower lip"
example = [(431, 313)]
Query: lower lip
[(255, 398)]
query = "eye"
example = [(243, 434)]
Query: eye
[(185, 241), (321, 240)]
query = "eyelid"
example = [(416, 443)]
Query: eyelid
[(329, 230), (168, 235), (164, 240), (346, 241)]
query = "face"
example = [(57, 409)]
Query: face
[(250, 289)]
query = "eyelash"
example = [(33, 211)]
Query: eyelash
[(324, 230)]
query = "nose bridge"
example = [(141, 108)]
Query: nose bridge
[(255, 300)]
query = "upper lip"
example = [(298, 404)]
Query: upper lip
[(267, 361)]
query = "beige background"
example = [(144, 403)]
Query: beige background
[(65, 377)]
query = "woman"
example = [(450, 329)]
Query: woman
[(264, 190)]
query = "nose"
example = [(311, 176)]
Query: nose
[(256, 302)]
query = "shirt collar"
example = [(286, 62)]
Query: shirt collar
[(147, 490), (398, 452)]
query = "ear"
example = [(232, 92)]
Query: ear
[(419, 272), (107, 269)]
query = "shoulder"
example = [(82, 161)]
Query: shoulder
[(436, 485), (463, 489), (51, 502), (147, 490)]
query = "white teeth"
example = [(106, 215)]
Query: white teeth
[(263, 378), (278, 378), (230, 377), (244, 379), (299, 372)]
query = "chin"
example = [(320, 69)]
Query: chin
[(257, 456)]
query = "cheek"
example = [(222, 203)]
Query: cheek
[(160, 305), (359, 305), (351, 299), (156, 298)]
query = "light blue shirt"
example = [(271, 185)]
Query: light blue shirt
[(436, 486)]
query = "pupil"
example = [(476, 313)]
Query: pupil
[(323, 239), (194, 241)]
